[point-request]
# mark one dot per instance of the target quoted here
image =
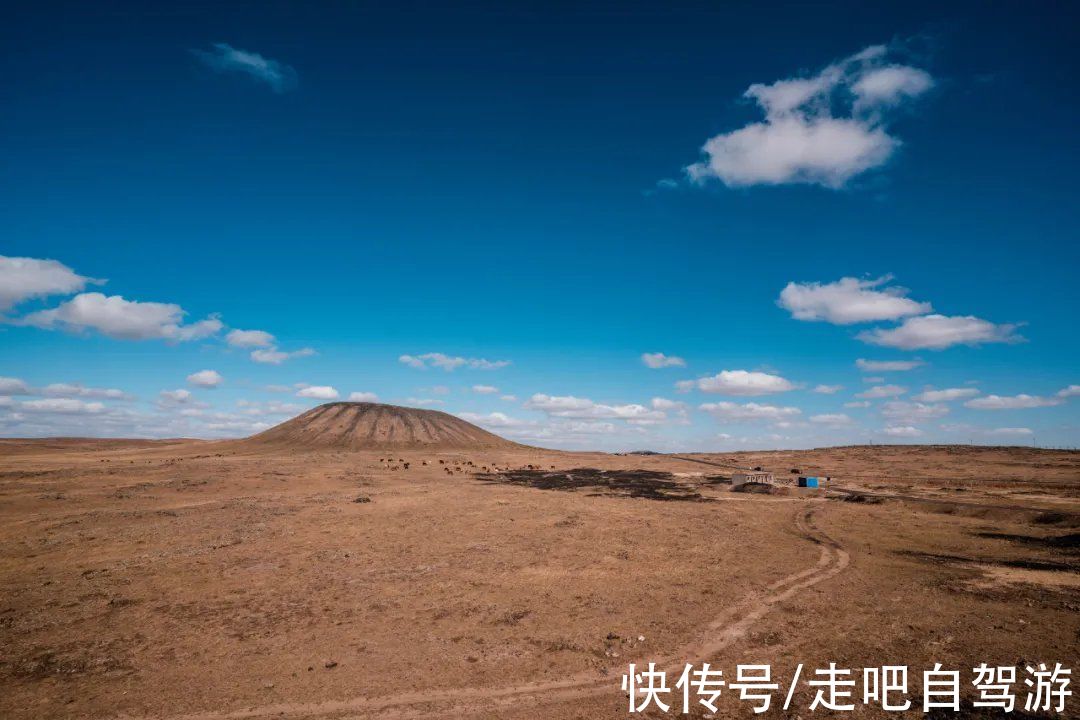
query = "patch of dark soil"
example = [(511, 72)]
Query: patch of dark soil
[(46, 663), (1050, 518), (858, 498), (717, 480), (1071, 541), (649, 484), (959, 559)]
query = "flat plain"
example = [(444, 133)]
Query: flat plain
[(190, 579)]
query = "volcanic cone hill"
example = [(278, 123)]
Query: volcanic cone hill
[(374, 426)]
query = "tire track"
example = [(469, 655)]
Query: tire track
[(722, 631)]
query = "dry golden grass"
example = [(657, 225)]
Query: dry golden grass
[(218, 580)]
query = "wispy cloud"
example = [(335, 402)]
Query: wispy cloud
[(568, 406), (734, 412), (1013, 402), (828, 389), (882, 391), (223, 57), (946, 394), (206, 379), (888, 365), (449, 362), (659, 360), (937, 332), (273, 356)]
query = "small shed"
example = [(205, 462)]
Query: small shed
[(813, 481), (745, 478)]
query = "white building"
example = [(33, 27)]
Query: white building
[(760, 478)]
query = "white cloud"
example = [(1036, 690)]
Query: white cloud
[(750, 411), (582, 433), (824, 129), (318, 392), (912, 412), (857, 404), (660, 360), (680, 409), (888, 365), (568, 406), (946, 395), (828, 389), (250, 338), (277, 388), (739, 382), (1015, 402), (23, 278), (849, 300), (871, 380), (63, 406), (831, 419), (485, 389), (13, 386), (175, 397), (74, 416), (937, 332), (882, 391), (822, 151), (272, 408), (508, 398), (659, 403), (123, 319), (363, 397), (1071, 391), (421, 402), (225, 58), (493, 420), (1010, 431), (273, 356), (902, 431), (889, 85), (206, 379), (449, 363), (76, 390)]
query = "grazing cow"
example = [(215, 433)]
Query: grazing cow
[(406, 466)]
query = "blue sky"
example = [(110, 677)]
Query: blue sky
[(533, 199)]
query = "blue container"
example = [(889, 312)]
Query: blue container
[(811, 482)]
